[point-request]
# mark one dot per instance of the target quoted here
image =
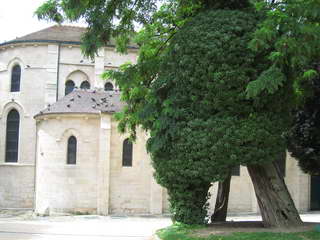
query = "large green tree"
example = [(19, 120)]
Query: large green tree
[(202, 122), (292, 31), (189, 90)]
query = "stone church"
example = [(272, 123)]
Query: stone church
[(60, 150)]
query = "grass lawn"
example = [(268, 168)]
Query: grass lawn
[(185, 232)]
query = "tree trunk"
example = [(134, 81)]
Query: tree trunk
[(276, 205), (221, 207)]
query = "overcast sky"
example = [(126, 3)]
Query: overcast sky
[(16, 18)]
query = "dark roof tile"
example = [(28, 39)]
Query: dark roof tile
[(85, 101), (56, 33)]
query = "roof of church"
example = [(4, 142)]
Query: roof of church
[(85, 101), (56, 34)]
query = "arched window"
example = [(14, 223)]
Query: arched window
[(69, 87), (12, 136), (15, 78), (72, 150), (85, 85), (127, 153), (108, 86)]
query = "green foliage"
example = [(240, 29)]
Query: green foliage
[(189, 145), (229, 4), (310, 74), (291, 31), (188, 201), (269, 81), (118, 19), (177, 231), (49, 11), (153, 40), (112, 19), (304, 136)]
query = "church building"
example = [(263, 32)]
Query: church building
[(60, 150)]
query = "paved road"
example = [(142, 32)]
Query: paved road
[(20, 227)]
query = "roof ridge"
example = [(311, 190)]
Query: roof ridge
[(70, 26), (43, 29), (56, 32)]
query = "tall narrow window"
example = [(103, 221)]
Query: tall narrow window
[(72, 150), (12, 136), (69, 87), (15, 78), (85, 85), (127, 153), (108, 86)]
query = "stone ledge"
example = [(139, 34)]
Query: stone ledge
[(16, 165)]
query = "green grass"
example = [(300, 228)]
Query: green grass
[(178, 231), (184, 232)]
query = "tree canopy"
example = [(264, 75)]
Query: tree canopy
[(118, 19), (200, 121), (291, 31)]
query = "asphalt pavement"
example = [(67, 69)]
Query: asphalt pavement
[(81, 227)]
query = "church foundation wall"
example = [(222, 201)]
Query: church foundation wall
[(17, 186)]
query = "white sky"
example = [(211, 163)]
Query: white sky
[(17, 20)]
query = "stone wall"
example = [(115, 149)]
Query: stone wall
[(17, 179), (63, 187), (130, 187), (84, 187), (39, 76), (16, 185)]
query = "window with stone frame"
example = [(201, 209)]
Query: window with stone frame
[(127, 153), (85, 85), (69, 86), (72, 150), (15, 79), (108, 86), (12, 136)]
